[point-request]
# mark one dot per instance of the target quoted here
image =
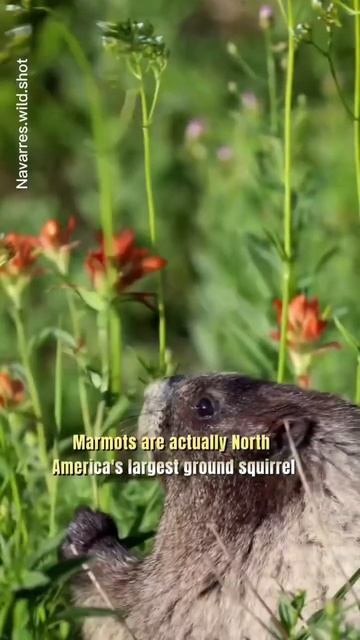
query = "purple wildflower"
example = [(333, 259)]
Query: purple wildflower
[(195, 129), (225, 153), (266, 16)]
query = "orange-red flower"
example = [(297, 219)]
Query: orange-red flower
[(16, 270), (304, 381), (22, 254), (305, 327), (129, 262), (12, 391), (54, 241), (305, 324), (53, 236)]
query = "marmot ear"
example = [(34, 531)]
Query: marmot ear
[(300, 430)]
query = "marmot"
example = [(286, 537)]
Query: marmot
[(228, 545)]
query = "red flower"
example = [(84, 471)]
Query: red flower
[(305, 324), (130, 262), (305, 327), (53, 237), (55, 242), (22, 254), (304, 381), (11, 391)]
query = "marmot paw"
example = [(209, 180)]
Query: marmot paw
[(87, 530)]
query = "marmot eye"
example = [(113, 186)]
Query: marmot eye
[(205, 408)]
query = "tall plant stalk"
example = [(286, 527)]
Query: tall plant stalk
[(58, 390), (21, 530), (357, 143), (23, 348), (287, 220), (357, 99), (103, 167), (272, 84), (282, 9), (83, 395), (147, 114)]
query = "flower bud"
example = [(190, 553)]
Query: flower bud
[(12, 391), (249, 101), (266, 17), (303, 33), (317, 5), (225, 153), (195, 129), (232, 49), (232, 87)]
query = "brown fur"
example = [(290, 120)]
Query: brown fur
[(226, 546)]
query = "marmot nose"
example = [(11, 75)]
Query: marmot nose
[(162, 388), (156, 397), (174, 380)]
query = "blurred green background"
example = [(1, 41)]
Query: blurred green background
[(213, 212), (218, 187)]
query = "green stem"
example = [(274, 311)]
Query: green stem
[(328, 57), (357, 99), (18, 508), (58, 425), (106, 201), (272, 84), (282, 10), (155, 98), (16, 440), (115, 351), (287, 271), (3, 437), (146, 124), (348, 10), (33, 392), (6, 612), (103, 333), (21, 529), (103, 166), (357, 143), (83, 396), (99, 418)]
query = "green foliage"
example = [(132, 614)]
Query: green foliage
[(216, 169)]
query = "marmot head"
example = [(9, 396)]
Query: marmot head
[(324, 428)]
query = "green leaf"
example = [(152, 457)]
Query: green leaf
[(48, 547), (264, 261), (320, 615), (298, 601), (64, 569), (276, 242), (95, 378), (288, 615), (53, 333), (348, 337), (116, 413), (325, 258), (6, 614), (64, 444), (33, 579), (91, 299), (5, 468), (56, 574)]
